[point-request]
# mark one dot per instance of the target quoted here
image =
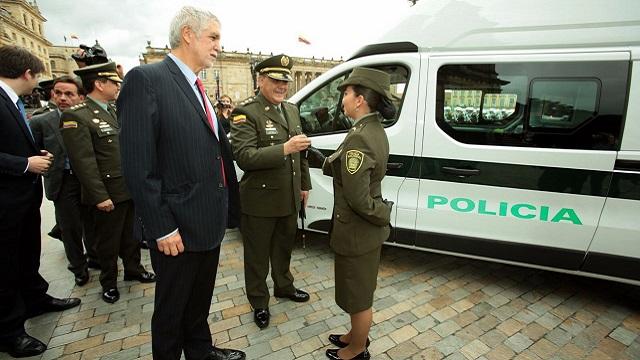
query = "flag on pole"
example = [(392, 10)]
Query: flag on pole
[(65, 38), (303, 40)]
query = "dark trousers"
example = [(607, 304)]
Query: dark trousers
[(114, 237), (22, 288), (184, 288), (264, 239), (75, 224)]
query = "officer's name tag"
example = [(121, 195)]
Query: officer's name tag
[(107, 130), (270, 131)]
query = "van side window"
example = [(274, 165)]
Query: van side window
[(321, 111), (570, 105)]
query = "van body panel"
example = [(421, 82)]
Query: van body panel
[(566, 207)]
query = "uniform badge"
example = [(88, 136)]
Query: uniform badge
[(95, 111), (95, 121), (284, 61), (266, 108), (269, 123), (354, 161), (69, 124), (239, 119)]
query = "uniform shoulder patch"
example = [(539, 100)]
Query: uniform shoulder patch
[(239, 119), (248, 101), (354, 161), (70, 124)]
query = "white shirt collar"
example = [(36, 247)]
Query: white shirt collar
[(12, 94)]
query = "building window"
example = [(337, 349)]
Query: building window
[(33, 25), (53, 64), (24, 18), (15, 37), (203, 74)]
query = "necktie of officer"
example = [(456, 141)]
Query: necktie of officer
[(23, 113), (211, 122)]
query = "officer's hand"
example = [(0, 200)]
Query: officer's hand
[(39, 164), (106, 206), (304, 196), (171, 245), (315, 156), (389, 203), (296, 144)]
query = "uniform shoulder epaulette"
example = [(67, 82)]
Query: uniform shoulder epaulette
[(78, 106), (247, 101)]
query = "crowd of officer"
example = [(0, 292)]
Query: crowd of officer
[(79, 131)]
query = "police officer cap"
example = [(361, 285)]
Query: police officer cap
[(276, 67), (46, 85), (106, 71), (376, 80)]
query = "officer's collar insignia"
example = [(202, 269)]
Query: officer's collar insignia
[(354, 161), (269, 123), (284, 61), (95, 121), (266, 108), (95, 111)]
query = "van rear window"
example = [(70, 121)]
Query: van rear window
[(573, 105)]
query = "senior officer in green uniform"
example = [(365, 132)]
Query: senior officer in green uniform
[(361, 215), (90, 133), (267, 139)]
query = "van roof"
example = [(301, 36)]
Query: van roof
[(521, 24)]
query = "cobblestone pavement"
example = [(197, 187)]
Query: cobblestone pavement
[(427, 306)]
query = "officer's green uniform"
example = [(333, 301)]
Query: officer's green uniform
[(270, 187), (90, 134), (51, 106), (360, 216)]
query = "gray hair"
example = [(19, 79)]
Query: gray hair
[(191, 17)]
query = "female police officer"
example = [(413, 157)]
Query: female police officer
[(361, 216)]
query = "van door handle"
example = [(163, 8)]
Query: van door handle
[(460, 172), (394, 165)]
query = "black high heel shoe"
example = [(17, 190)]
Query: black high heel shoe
[(335, 340), (333, 354)]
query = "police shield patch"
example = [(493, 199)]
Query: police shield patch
[(354, 161)]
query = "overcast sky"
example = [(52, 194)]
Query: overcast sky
[(335, 28)]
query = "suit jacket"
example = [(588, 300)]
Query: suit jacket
[(172, 159), (46, 132), (271, 182), (16, 146), (361, 218), (90, 135)]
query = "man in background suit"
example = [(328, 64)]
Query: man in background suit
[(177, 162), (23, 291), (61, 184)]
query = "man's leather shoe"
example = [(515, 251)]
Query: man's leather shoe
[(143, 277), (82, 278), (93, 264), (52, 304), (297, 296), (335, 340), (225, 354), (23, 346), (55, 232), (111, 295), (261, 317), (333, 354)]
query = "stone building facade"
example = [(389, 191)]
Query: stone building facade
[(232, 73), (21, 24), (61, 61)]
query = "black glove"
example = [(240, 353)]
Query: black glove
[(315, 156), (389, 203)]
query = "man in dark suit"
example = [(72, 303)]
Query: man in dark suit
[(23, 291), (178, 164), (61, 184)]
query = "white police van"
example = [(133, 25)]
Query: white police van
[(518, 133)]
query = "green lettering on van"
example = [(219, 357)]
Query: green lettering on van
[(567, 215), (434, 200), (522, 211)]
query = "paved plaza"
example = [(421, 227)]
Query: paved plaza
[(427, 306)]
